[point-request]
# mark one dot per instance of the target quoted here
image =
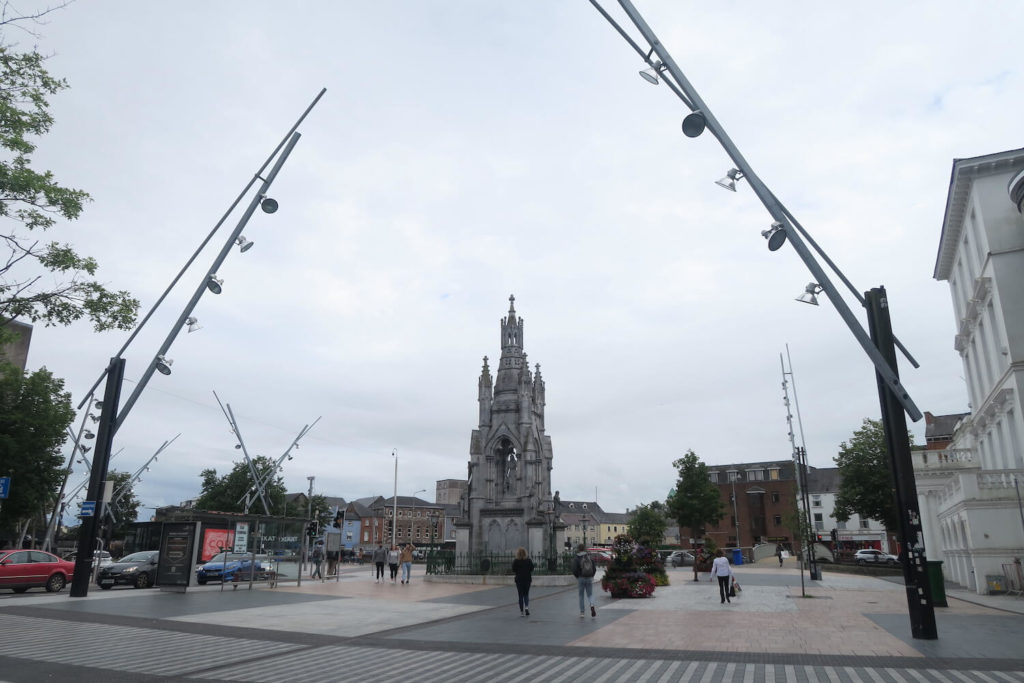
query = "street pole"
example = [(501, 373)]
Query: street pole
[(101, 460), (394, 501), (735, 508), (894, 421)]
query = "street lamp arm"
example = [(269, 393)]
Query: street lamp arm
[(835, 269), (195, 254), (775, 210)]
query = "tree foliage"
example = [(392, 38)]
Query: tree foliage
[(126, 508), (42, 281), (35, 411), (695, 501), (647, 525), (866, 487), (227, 493)]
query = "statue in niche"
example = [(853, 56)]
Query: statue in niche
[(509, 459)]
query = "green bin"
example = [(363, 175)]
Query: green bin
[(937, 583)]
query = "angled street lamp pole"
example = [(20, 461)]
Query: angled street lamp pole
[(785, 227)]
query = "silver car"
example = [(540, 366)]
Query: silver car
[(869, 556), (681, 558)]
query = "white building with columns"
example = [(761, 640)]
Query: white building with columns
[(969, 504)]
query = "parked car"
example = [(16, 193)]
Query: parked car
[(24, 569), (600, 556), (99, 558), (868, 556), (225, 566), (681, 558), (137, 569)]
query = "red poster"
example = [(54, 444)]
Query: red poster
[(214, 540)]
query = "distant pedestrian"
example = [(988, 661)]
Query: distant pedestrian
[(380, 556), (393, 556), (406, 559), (778, 552), (318, 560), (720, 568), (583, 568), (522, 567)]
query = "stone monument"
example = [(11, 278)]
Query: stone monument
[(508, 501)]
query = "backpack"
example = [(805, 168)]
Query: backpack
[(587, 567)]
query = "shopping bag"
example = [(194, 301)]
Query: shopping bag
[(735, 588)]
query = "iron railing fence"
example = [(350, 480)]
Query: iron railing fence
[(441, 562)]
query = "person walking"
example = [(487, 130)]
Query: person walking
[(379, 557), (318, 560), (720, 568), (778, 552), (406, 560), (522, 567), (583, 568), (393, 562)]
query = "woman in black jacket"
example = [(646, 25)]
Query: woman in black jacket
[(522, 567)]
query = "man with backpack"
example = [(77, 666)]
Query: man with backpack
[(583, 568)]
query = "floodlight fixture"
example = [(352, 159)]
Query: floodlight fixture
[(694, 124), (88, 435), (776, 236), (810, 294), (244, 245), (98, 405), (163, 365), (214, 283), (193, 324), (729, 181), (650, 74), (268, 205)]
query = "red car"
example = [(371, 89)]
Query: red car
[(24, 569)]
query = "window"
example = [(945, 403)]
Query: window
[(777, 519), (815, 501), (401, 513), (417, 513), (865, 524), (773, 474), (818, 523), (733, 475), (348, 536), (713, 476), (775, 496), (841, 526), (755, 475)]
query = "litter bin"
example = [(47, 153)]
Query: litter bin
[(737, 556), (937, 583)]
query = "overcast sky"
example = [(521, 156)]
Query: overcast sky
[(468, 150)]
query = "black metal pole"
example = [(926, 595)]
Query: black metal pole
[(894, 421), (101, 460)]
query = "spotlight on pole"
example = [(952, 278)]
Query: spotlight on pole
[(810, 294), (268, 205), (776, 236), (193, 324), (650, 74), (163, 365), (694, 124), (245, 245), (214, 284), (729, 181)]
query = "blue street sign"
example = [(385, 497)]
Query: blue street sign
[(5, 487), (88, 508)]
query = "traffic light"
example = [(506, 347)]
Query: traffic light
[(835, 535), (311, 528)]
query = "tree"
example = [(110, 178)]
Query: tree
[(227, 493), (866, 484), (647, 525), (48, 282), (127, 506), (695, 501), (35, 411)]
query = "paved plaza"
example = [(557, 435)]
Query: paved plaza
[(849, 629)]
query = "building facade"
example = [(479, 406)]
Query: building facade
[(759, 499), (966, 490), (850, 536)]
